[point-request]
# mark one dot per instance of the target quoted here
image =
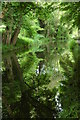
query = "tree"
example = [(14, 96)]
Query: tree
[(13, 19), (69, 88), (71, 14)]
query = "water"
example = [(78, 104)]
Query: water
[(30, 87)]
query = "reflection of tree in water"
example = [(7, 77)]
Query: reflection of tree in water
[(70, 87), (21, 99), (30, 107)]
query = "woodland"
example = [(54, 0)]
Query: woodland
[(40, 60)]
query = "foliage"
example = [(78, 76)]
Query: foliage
[(41, 60), (70, 85), (19, 45), (71, 16)]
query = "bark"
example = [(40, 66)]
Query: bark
[(7, 39), (8, 66), (16, 32), (15, 36), (18, 72), (5, 102), (9, 75), (8, 32), (4, 38)]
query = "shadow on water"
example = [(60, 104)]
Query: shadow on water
[(27, 86), (70, 87), (22, 99)]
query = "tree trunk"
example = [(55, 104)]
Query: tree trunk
[(7, 39), (16, 32), (19, 72), (5, 102), (4, 38), (14, 38), (8, 66)]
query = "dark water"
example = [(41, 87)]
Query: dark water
[(33, 87)]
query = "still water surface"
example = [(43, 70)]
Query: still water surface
[(30, 86)]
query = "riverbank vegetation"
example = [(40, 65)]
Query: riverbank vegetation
[(41, 61), (24, 21)]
